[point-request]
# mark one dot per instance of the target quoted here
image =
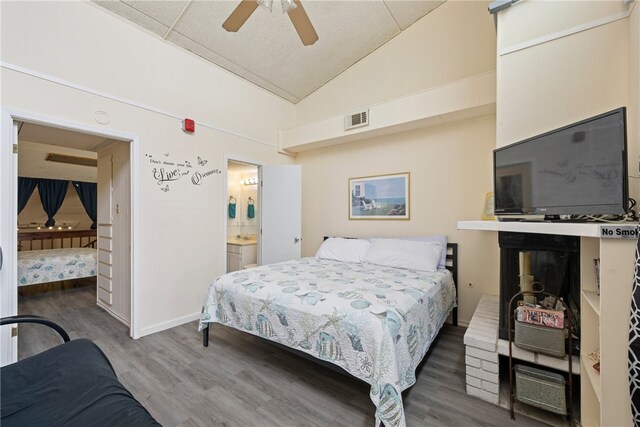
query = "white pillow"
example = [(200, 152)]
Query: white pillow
[(442, 239), (345, 250), (398, 253)]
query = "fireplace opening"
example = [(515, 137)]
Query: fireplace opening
[(553, 261)]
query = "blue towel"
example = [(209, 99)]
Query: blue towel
[(251, 211), (232, 210)]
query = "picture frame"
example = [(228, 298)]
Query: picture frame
[(381, 197), (488, 214)]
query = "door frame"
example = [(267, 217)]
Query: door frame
[(9, 215), (225, 175)]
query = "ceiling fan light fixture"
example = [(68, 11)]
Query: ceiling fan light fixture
[(266, 4), (288, 5), (293, 8)]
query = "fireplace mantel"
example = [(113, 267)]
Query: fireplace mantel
[(582, 229), (604, 319)]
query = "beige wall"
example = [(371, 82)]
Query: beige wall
[(633, 112), (546, 82), (450, 169), (559, 62), (71, 211), (180, 230), (450, 165), (455, 41), (539, 87)]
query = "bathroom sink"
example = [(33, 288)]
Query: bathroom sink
[(239, 239)]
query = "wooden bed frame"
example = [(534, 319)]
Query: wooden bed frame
[(57, 239), (451, 265)]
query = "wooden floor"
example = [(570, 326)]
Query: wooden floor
[(241, 380)]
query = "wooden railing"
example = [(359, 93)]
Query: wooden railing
[(56, 239)]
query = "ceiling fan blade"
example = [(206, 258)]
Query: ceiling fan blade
[(303, 25), (240, 15)]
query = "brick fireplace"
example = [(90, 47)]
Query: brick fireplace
[(555, 262)]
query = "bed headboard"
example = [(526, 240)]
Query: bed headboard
[(451, 265)]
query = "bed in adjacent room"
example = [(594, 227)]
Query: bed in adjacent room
[(372, 308), (52, 265)]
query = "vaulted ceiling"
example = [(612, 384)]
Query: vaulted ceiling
[(267, 50)]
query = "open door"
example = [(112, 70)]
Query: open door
[(114, 232), (281, 224), (8, 239)]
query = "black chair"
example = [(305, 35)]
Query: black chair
[(72, 384)]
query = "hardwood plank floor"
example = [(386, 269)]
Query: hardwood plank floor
[(241, 380)]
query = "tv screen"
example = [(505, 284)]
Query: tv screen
[(580, 169)]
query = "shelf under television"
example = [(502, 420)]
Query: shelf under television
[(582, 229)]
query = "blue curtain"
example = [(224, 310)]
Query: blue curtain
[(25, 190), (52, 192), (87, 191)]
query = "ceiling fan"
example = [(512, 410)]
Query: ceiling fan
[(294, 9)]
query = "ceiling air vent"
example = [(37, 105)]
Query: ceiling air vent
[(356, 120)]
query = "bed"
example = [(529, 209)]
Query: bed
[(375, 322), (51, 265), (72, 256)]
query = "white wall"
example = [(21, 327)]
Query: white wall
[(539, 87), (560, 62), (450, 172), (455, 41), (181, 229), (87, 45), (450, 165), (551, 83)]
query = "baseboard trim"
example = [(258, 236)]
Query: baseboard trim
[(169, 324)]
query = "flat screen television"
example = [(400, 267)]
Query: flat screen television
[(579, 169)]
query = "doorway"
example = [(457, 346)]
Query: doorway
[(277, 216), (243, 215), (70, 136)]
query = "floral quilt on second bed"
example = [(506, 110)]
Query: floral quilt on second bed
[(51, 265), (375, 322)]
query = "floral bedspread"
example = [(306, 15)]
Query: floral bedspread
[(51, 265), (375, 322)]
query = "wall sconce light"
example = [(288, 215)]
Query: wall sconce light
[(249, 181)]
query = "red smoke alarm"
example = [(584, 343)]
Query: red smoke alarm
[(188, 125)]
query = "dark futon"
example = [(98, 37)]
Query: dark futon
[(72, 384)]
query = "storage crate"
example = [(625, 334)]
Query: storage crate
[(540, 339), (540, 388)]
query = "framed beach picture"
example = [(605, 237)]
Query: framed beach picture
[(379, 197)]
